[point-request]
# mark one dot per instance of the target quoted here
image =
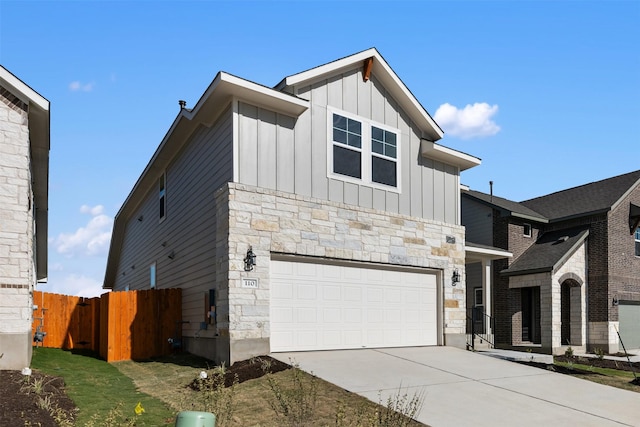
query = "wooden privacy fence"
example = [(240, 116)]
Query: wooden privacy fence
[(117, 326)]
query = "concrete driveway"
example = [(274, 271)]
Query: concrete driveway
[(462, 388)]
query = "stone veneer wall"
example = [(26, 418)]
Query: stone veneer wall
[(576, 268), (284, 223), (17, 270)]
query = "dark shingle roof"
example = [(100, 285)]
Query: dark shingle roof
[(589, 198), (548, 252), (508, 205)]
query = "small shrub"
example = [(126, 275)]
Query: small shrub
[(599, 353), (400, 409), (568, 352), (214, 396), (293, 401)]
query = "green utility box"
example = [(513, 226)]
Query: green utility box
[(195, 419)]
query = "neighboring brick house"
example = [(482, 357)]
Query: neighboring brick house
[(24, 176), (574, 279), (319, 214)]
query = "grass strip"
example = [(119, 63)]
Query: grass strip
[(602, 371), (102, 393)]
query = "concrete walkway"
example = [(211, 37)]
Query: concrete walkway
[(462, 388)]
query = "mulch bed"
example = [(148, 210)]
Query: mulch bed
[(19, 402), (243, 371), (588, 361)]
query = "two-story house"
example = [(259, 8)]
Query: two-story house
[(574, 278), (24, 199), (318, 214)]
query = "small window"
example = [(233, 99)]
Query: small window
[(526, 230), (162, 195), (152, 276), (478, 297), (637, 238)]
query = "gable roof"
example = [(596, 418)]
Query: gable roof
[(39, 139), (592, 198), (550, 251), (384, 73), (510, 207)]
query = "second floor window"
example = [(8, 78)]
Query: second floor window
[(363, 150), (162, 195), (637, 237)]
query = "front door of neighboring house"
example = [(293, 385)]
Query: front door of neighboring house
[(530, 303), (565, 314), (478, 311)]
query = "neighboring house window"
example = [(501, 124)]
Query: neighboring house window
[(637, 237), (162, 195), (526, 230), (152, 276), (477, 295), (362, 150)]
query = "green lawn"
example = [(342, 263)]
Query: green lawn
[(100, 390)]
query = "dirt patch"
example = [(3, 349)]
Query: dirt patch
[(29, 400), (21, 402)]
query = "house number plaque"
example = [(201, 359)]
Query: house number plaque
[(250, 283)]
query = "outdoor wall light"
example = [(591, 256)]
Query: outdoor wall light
[(455, 278), (172, 255), (249, 260), (615, 301)]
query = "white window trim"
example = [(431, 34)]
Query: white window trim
[(365, 151), (524, 228)]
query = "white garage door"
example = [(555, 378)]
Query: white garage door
[(325, 307)]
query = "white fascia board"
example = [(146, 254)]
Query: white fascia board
[(232, 86), (21, 90), (387, 77), (448, 155), (331, 67), (487, 253)]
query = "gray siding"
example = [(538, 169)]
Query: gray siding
[(478, 221), (281, 153), (189, 229)]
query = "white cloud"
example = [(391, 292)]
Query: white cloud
[(74, 285), (473, 121), (96, 210), (92, 239), (77, 86)]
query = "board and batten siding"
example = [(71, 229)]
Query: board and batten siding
[(286, 154), (204, 164), (478, 221)]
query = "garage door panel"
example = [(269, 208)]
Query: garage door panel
[(341, 307)]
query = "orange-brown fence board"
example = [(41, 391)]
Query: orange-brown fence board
[(118, 325)]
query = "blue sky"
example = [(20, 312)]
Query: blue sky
[(546, 93)]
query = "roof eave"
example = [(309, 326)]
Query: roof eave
[(569, 252), (529, 217), (222, 90), (507, 273), (474, 252), (448, 155)]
